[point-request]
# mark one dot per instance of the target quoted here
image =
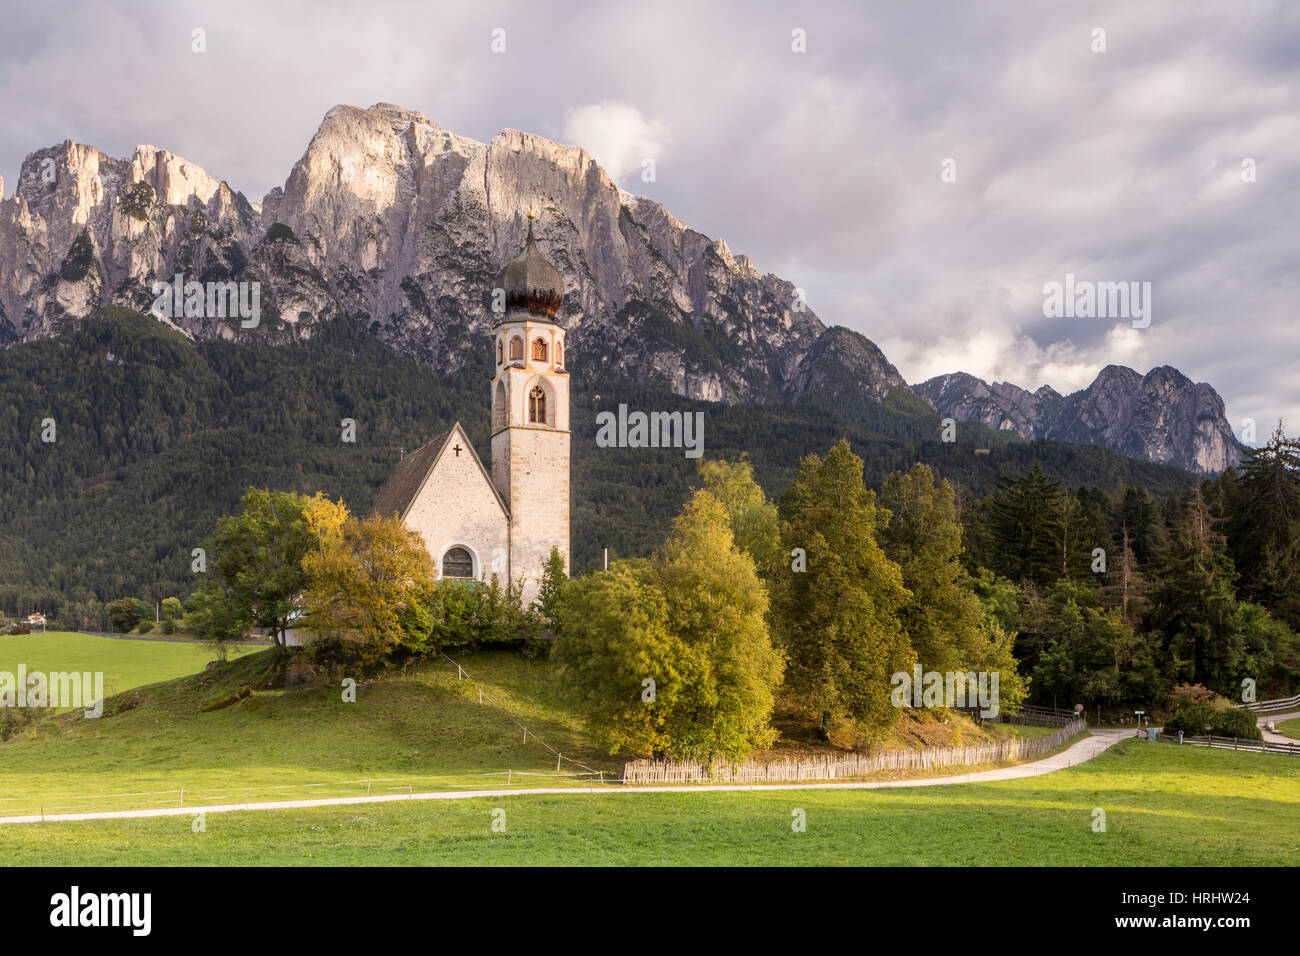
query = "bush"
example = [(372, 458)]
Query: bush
[(137, 199), (169, 625), (172, 609), (1193, 712), (473, 613), (14, 720), (125, 613), (145, 627), (80, 257)]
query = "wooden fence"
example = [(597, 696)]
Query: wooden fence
[(1038, 717), (859, 764), (1236, 743), (1273, 706)]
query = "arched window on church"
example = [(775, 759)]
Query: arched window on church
[(539, 349), (499, 408), (537, 405), (501, 351), (457, 563), (516, 349)]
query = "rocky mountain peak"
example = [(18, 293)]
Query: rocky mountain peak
[(1161, 416), (394, 221)]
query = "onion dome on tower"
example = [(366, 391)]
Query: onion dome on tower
[(531, 283)]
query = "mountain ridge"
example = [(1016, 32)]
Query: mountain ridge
[(389, 219), (1161, 416)]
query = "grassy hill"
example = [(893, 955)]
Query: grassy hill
[(229, 734), (1165, 806)]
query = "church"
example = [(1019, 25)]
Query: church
[(477, 523)]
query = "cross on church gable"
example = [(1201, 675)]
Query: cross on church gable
[(457, 449)]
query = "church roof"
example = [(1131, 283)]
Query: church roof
[(404, 484)]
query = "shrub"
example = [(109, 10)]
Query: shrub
[(125, 613), (81, 255), (172, 609), (469, 612), (1193, 712), (136, 200), (280, 231)]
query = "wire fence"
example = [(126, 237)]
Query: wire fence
[(199, 798)]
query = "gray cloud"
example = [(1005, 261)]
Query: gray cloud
[(822, 166)]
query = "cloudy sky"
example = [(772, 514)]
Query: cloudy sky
[(827, 166)]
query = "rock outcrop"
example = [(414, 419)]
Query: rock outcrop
[(1161, 416), (391, 219)]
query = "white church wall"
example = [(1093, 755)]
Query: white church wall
[(456, 505)]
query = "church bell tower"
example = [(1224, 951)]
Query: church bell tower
[(530, 412)]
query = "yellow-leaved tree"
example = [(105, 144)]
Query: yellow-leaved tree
[(368, 581)]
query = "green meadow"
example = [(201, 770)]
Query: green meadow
[(230, 735), (1164, 805), (222, 736), (124, 663), (423, 728)]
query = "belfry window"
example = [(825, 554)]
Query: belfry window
[(537, 405), (516, 349), (457, 563), (501, 351), (539, 350), (559, 354)]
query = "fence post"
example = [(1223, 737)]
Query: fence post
[(558, 758)]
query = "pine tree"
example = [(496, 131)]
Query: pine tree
[(551, 591), (837, 614), (1195, 607), (1265, 528), (1024, 515), (943, 619)]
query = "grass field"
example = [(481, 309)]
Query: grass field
[(124, 663), (1165, 805), (1290, 728), (421, 729), (304, 742)]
